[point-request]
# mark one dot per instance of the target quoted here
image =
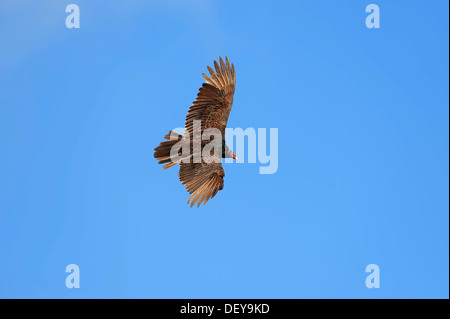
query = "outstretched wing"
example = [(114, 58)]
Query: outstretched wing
[(212, 107), (201, 180), (214, 99)]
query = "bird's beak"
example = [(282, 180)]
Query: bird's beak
[(234, 157)]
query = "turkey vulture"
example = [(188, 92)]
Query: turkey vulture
[(203, 178)]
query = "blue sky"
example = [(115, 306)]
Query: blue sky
[(362, 118)]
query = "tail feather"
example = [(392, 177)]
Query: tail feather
[(162, 152)]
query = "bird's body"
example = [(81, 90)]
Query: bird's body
[(203, 178)]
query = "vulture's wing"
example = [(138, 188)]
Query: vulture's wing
[(214, 98), (212, 107), (202, 180)]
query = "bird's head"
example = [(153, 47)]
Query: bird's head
[(231, 154)]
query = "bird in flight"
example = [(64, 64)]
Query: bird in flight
[(201, 174)]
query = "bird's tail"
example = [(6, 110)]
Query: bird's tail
[(162, 152)]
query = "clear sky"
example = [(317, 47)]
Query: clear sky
[(363, 174)]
